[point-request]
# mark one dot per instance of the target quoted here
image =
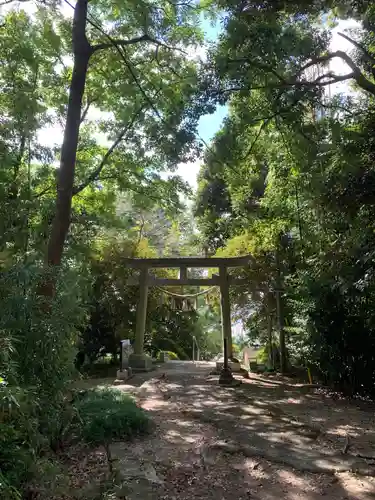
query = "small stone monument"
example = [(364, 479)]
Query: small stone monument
[(234, 366), (163, 357), (250, 357), (125, 350)]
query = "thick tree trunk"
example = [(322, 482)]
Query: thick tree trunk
[(82, 52)]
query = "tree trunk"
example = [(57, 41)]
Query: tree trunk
[(280, 316), (283, 356), (271, 360), (82, 52)]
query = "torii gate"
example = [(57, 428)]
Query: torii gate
[(139, 361)]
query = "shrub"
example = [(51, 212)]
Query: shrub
[(171, 355), (8, 492), (263, 355), (16, 457), (37, 353), (109, 414), (19, 438)]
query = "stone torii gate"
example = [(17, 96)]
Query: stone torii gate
[(139, 361)]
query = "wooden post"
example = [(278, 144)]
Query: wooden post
[(269, 333), (280, 321), (280, 317), (183, 272), (182, 276), (121, 357), (226, 324), (141, 313), (226, 365)]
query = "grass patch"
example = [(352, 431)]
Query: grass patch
[(108, 414)]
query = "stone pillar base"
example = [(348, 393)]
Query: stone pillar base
[(121, 376), (140, 362), (226, 378), (234, 366)]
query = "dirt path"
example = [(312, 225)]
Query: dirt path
[(268, 439)]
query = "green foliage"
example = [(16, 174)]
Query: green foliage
[(267, 354), (171, 330), (7, 491), (109, 414), (289, 179), (171, 355), (16, 456), (36, 364), (262, 356), (140, 111)]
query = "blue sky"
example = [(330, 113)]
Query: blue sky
[(208, 124), (207, 127)]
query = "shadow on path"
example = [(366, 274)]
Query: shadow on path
[(246, 443)]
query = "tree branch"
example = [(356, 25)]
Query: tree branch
[(86, 109), (333, 79), (166, 65), (95, 174), (7, 2), (120, 51), (356, 74), (259, 65), (166, 46), (250, 150), (336, 107), (369, 58), (133, 188), (313, 62), (44, 191), (267, 120), (300, 84), (121, 43), (113, 43), (137, 82)]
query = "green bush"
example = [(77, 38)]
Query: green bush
[(263, 355), (37, 352), (20, 439), (109, 414), (171, 355), (8, 492), (16, 456)]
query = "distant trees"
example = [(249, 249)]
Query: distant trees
[(290, 188)]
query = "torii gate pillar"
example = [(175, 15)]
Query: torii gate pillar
[(139, 361), (226, 324)]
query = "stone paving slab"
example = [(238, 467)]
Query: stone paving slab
[(240, 421), (199, 423), (135, 475)]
